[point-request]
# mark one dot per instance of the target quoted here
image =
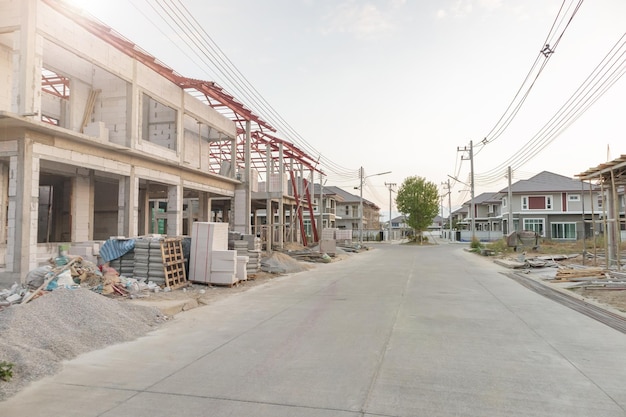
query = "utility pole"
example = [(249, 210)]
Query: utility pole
[(471, 159), (361, 205), (510, 203), (450, 210), (389, 185), (446, 186), (321, 206), (362, 178)]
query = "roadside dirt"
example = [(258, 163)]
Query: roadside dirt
[(205, 294), (613, 298)]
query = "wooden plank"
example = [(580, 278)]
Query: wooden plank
[(173, 263)]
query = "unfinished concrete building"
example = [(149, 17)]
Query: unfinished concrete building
[(610, 179), (100, 139)]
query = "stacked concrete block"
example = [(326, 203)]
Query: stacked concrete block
[(328, 246), (148, 264), (276, 180), (254, 261), (125, 264), (211, 262), (249, 246), (223, 269), (343, 235), (254, 242), (329, 233), (242, 268)]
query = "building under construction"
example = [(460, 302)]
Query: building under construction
[(100, 139)]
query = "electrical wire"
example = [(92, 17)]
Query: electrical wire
[(515, 105), (176, 12), (601, 79)]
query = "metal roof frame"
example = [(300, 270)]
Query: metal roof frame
[(206, 91)]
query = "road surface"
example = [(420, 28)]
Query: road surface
[(395, 331)]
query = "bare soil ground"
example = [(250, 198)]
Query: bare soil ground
[(612, 298)]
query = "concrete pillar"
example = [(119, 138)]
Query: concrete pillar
[(23, 211), (4, 199), (82, 206), (144, 214), (128, 205), (269, 214), (27, 62), (248, 180), (204, 207), (174, 210), (233, 158), (281, 208)]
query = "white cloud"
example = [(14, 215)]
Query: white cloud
[(463, 8), (361, 20), (490, 4)]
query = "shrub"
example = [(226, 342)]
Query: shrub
[(476, 245), (6, 370)]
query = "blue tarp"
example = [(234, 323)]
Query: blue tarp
[(113, 249)]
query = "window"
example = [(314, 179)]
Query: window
[(563, 230), (573, 197), (159, 123), (347, 210), (504, 201), (535, 225), (542, 202)]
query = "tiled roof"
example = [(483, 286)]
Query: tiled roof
[(545, 182)]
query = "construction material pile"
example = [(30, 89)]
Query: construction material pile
[(75, 273), (62, 324), (592, 277)]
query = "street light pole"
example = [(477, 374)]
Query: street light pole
[(361, 181)]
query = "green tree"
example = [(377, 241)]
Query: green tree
[(418, 200)]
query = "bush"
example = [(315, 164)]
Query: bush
[(6, 371), (499, 246), (476, 245)]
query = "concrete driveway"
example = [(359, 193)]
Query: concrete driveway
[(396, 331)]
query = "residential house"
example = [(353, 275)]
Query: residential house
[(399, 228), (551, 205), (347, 216), (486, 217), (324, 201)]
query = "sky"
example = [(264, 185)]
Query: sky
[(404, 86)]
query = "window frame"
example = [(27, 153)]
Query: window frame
[(525, 202), (555, 224), (535, 221)]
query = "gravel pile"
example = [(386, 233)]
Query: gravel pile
[(61, 325)]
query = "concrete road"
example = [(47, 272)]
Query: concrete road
[(396, 331)]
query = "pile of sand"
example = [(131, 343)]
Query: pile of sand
[(35, 337), (280, 263)]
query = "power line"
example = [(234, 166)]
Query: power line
[(598, 82), (543, 56), (186, 24)]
